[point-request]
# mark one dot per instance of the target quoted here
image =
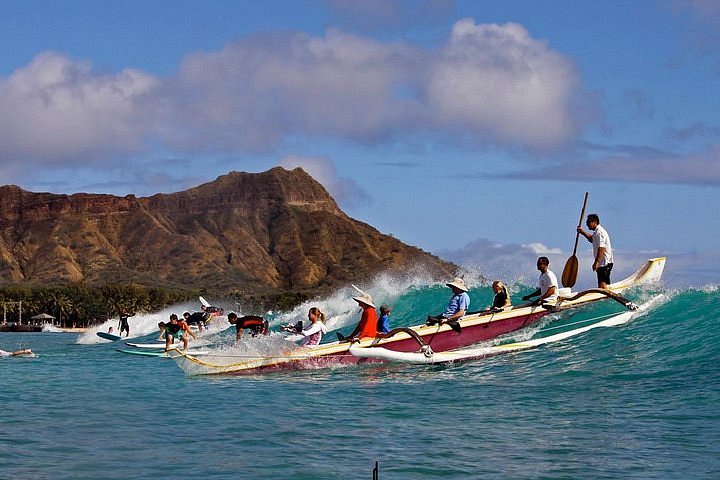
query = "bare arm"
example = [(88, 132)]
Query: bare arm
[(455, 316), (533, 294), (601, 254), (550, 291), (584, 233)]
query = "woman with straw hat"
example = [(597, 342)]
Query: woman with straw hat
[(368, 320)]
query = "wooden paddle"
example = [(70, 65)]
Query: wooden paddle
[(569, 275)]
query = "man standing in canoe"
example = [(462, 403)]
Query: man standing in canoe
[(602, 249), (548, 283)]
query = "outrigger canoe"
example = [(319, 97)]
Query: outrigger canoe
[(474, 328), (426, 356)]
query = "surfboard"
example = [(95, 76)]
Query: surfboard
[(109, 336), (161, 345), (150, 346), (162, 354)]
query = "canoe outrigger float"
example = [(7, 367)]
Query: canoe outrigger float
[(474, 328)]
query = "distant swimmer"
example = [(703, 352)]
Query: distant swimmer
[(25, 351)]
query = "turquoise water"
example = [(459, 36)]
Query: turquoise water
[(637, 401)]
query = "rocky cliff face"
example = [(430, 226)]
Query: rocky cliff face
[(272, 231)]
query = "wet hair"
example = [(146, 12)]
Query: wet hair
[(232, 317), (593, 218), (316, 311), (173, 316), (186, 314), (544, 260)]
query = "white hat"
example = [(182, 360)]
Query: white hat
[(458, 283), (365, 298)]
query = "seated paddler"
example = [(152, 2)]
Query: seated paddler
[(313, 333), (456, 307), (548, 284), (501, 300), (367, 327)]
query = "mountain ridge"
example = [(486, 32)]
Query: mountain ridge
[(273, 231)]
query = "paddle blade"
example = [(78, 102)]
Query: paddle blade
[(569, 275)]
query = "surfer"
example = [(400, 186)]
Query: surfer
[(211, 311), (175, 330), (456, 307), (123, 324), (548, 283), (602, 249), (314, 332), (25, 351), (254, 323), (197, 318)]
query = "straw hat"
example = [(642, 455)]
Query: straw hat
[(365, 298), (458, 283)]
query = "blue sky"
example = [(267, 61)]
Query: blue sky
[(465, 128)]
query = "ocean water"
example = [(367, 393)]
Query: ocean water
[(639, 401)]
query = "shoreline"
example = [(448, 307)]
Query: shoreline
[(14, 328)]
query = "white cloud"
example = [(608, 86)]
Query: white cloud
[(508, 262), (540, 249), (256, 92), (494, 83), (498, 81), (346, 191), (57, 109)]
